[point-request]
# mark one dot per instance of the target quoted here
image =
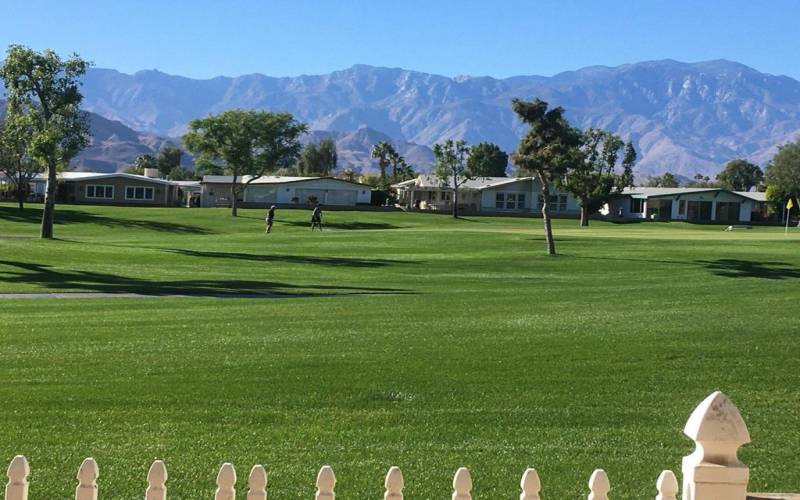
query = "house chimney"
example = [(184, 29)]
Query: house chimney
[(152, 173)]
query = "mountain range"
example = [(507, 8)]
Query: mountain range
[(686, 118)]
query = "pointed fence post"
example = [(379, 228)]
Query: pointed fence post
[(87, 480), (462, 485), (156, 482), (713, 471), (326, 482), (667, 486), (18, 472), (599, 485), (257, 483), (394, 484), (226, 483), (530, 485)]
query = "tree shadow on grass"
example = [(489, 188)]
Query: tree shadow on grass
[(343, 225), (88, 281), (292, 259), (74, 216), (737, 268)]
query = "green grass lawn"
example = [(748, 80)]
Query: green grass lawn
[(391, 339)]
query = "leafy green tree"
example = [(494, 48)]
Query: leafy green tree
[(451, 166), (247, 143), (168, 159), (144, 162), (701, 181), (406, 171), (134, 169), (668, 180), (740, 175), (45, 89), (15, 163), (546, 151), (487, 160), (628, 160), (382, 152), (593, 178), (318, 159), (179, 174), (782, 175), (396, 160)]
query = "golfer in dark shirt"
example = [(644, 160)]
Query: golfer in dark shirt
[(316, 218), (270, 218)]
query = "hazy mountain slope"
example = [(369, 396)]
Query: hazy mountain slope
[(683, 117)]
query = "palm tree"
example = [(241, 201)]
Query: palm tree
[(382, 152), (397, 160)]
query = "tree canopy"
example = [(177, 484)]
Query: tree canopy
[(740, 175), (318, 159), (167, 160), (15, 163), (546, 151), (45, 89), (451, 166), (487, 160), (782, 175), (382, 152), (245, 143), (667, 180)]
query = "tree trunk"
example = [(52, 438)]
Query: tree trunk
[(584, 215), (21, 196), (234, 196), (455, 202), (548, 227), (49, 212)]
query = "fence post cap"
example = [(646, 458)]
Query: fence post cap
[(326, 479), (394, 482), (226, 478), (18, 469), (157, 475), (717, 420), (88, 471), (462, 481), (667, 484), (258, 478), (598, 482)]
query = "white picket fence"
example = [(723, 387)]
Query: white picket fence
[(712, 472)]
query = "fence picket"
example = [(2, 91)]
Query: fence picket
[(257, 483), (326, 482), (18, 472), (667, 486), (530, 485), (226, 483), (87, 480), (462, 485), (394, 484), (599, 485), (156, 482)]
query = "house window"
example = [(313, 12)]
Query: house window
[(499, 200), (521, 200), (511, 201), (637, 205), (558, 203), (682, 207), (99, 192), (138, 193)]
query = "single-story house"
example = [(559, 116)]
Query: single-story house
[(688, 204), (519, 195), (267, 190), (115, 189)]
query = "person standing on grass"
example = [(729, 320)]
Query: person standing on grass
[(316, 218), (270, 218)]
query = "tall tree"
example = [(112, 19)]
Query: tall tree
[(247, 143), (318, 158), (628, 160), (143, 162), (782, 175), (668, 180), (46, 89), (168, 159), (396, 160), (451, 166), (740, 175), (406, 171), (382, 151), (15, 162), (487, 160), (593, 178), (546, 151)]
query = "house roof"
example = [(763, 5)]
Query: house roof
[(753, 195), (478, 183), (656, 192), (271, 179), (91, 176)]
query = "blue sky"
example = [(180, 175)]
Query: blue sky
[(206, 38)]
